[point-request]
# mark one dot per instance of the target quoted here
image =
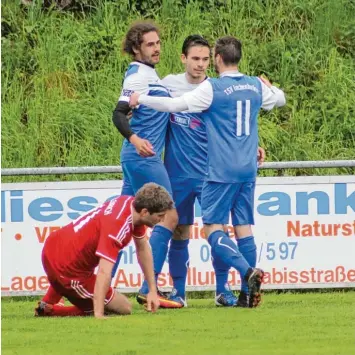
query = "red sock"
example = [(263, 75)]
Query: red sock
[(52, 296), (65, 311)]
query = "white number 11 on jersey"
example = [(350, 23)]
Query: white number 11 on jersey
[(243, 115)]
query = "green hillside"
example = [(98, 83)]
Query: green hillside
[(62, 72)]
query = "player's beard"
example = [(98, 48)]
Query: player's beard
[(196, 77), (156, 62), (199, 76), (150, 60)]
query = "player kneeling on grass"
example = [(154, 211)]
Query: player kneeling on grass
[(71, 254)]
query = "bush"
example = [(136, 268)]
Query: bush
[(62, 70)]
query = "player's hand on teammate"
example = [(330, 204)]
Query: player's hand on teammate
[(261, 156), (152, 304), (264, 80), (133, 100), (143, 147), (129, 115)]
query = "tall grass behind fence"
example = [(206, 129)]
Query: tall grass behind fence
[(62, 73)]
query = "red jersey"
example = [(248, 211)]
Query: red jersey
[(75, 250)]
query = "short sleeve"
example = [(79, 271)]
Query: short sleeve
[(113, 233), (133, 83), (139, 232), (108, 248)]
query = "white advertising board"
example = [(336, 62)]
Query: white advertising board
[(304, 229)]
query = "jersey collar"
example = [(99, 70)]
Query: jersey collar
[(132, 212), (231, 73), (147, 64), (206, 77)]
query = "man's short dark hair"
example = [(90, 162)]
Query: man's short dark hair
[(134, 36), (230, 50), (192, 41), (154, 198)]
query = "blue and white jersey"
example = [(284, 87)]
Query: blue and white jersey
[(230, 107), (147, 123), (186, 141)]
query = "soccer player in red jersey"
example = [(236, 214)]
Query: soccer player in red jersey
[(71, 254)]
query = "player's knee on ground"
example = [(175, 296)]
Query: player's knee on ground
[(171, 219), (182, 232), (242, 231), (119, 305)]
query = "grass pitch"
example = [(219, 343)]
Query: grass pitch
[(301, 323)]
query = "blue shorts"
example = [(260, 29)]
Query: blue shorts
[(136, 173), (220, 199), (185, 192)]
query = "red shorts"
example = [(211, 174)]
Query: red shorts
[(79, 291)]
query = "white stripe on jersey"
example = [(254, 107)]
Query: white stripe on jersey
[(105, 256), (74, 285), (126, 228), (108, 300), (247, 117), (83, 293), (239, 118), (122, 232), (85, 218), (140, 237), (122, 209)]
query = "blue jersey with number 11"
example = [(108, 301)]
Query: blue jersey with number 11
[(232, 128)]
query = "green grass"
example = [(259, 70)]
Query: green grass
[(59, 86), (303, 323)]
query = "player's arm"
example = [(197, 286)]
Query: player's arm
[(272, 96), (102, 285), (196, 100), (120, 120), (107, 250), (145, 260)]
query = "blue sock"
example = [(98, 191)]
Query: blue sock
[(226, 250), (178, 264), (115, 267), (159, 241), (248, 248), (221, 271)]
